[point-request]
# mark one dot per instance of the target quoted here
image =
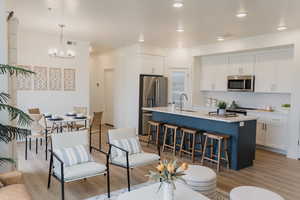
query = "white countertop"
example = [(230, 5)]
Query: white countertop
[(202, 114)]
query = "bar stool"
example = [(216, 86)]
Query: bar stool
[(220, 139), (156, 125), (189, 135), (173, 131)]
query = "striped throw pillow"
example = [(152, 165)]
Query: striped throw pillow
[(73, 155), (132, 145)]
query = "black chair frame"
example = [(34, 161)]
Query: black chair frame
[(61, 178)]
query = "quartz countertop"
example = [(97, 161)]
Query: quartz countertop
[(202, 114)]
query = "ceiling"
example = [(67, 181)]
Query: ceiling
[(109, 24)]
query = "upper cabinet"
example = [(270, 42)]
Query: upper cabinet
[(213, 73), (273, 70), (152, 64), (241, 64)]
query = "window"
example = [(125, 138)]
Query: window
[(178, 84)]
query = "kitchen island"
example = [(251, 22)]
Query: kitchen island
[(242, 130)]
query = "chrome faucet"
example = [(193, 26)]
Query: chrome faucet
[(181, 100)]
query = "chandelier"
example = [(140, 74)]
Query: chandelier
[(62, 51)]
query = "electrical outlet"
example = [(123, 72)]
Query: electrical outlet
[(242, 124)]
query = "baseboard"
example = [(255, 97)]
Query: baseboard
[(110, 125), (279, 151)]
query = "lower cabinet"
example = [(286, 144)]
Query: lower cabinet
[(272, 131)]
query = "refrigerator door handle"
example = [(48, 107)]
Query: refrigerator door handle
[(157, 92)]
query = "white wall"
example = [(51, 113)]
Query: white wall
[(127, 65), (33, 50), (96, 85)]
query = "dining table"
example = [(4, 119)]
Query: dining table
[(60, 121)]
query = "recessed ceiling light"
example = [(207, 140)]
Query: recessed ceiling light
[(241, 14), (220, 38), (180, 30), (281, 28), (178, 4)]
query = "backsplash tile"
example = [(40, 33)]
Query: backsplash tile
[(250, 100)]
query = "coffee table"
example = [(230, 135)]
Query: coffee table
[(151, 193)]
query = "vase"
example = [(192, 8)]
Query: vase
[(221, 112), (167, 191)]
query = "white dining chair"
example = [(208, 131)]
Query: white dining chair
[(125, 150), (71, 159)]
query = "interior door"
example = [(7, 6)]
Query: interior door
[(109, 96)]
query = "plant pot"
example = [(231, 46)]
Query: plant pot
[(221, 111), (167, 191)]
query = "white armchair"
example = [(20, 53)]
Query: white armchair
[(71, 159), (125, 150)]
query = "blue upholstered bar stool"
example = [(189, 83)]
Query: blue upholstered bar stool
[(170, 131), (188, 140), (221, 142)]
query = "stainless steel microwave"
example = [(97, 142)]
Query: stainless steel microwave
[(240, 83)]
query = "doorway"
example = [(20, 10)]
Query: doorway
[(109, 96)]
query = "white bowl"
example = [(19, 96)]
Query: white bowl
[(55, 117), (80, 115)]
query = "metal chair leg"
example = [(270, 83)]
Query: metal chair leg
[(62, 190), (128, 178), (36, 145), (50, 170), (30, 144), (26, 147), (108, 182)]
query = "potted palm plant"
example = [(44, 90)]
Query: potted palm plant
[(222, 105), (9, 133)]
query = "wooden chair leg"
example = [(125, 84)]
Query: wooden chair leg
[(165, 139), (193, 148), (219, 154), (181, 144), (204, 150), (174, 141), (157, 134), (149, 134), (226, 153), (211, 148)]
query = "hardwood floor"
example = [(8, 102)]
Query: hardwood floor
[(271, 171)]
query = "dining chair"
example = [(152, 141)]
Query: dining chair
[(71, 160), (79, 110), (37, 132), (125, 150), (96, 127)]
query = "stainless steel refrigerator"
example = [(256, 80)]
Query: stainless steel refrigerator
[(153, 93)]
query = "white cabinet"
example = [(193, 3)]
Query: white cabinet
[(271, 130), (273, 70), (152, 64), (276, 133), (213, 73), (241, 64)]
